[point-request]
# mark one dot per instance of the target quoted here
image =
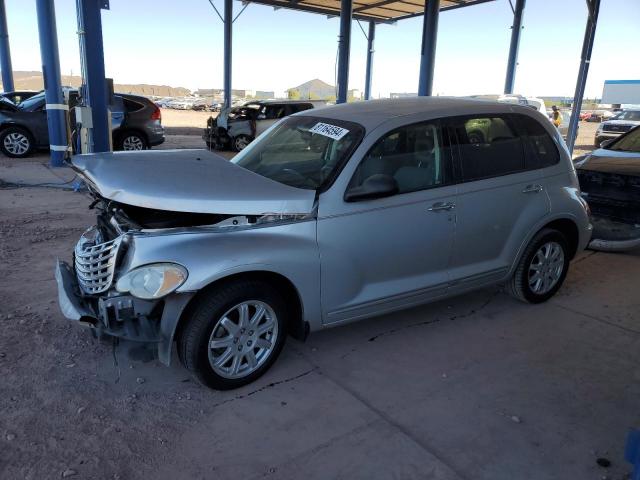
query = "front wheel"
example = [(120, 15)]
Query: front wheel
[(233, 334), (16, 142), (542, 268), (240, 142)]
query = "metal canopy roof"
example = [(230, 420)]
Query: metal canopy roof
[(380, 11)]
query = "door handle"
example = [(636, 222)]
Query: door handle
[(532, 189), (440, 206)]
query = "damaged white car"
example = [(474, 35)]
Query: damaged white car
[(330, 216)]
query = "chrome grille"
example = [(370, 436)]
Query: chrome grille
[(95, 262)]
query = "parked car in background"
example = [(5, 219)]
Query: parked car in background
[(18, 96), (610, 182), (331, 216), (237, 127), (617, 125), (136, 124), (533, 102), (585, 114)]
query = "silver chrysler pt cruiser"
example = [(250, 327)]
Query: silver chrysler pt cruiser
[(332, 215)]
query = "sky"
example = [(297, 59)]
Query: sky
[(179, 43)]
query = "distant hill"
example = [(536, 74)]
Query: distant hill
[(33, 81), (314, 89)]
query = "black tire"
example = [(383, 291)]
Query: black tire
[(193, 338), (240, 142), (475, 136), (22, 148), (519, 286), (131, 140)]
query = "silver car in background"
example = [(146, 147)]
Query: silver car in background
[(332, 215)]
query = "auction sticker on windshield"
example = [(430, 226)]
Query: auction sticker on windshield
[(328, 130)]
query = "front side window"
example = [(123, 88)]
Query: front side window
[(303, 152), (631, 115), (488, 146), (412, 155)]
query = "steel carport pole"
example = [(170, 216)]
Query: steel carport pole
[(428, 52), (587, 46), (369, 75), (5, 52), (512, 63), (228, 26), (56, 108), (344, 47), (92, 61)]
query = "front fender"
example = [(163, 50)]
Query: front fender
[(289, 250)]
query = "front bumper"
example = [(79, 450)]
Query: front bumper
[(122, 316)]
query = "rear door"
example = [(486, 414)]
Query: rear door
[(500, 197)]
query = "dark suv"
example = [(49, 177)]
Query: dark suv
[(135, 123)]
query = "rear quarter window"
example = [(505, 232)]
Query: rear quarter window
[(131, 106), (541, 151)]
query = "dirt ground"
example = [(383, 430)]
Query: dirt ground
[(476, 387)]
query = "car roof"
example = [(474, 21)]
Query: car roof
[(372, 113)]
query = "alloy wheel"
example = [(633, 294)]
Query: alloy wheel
[(132, 142), (243, 339), (546, 267), (17, 143)]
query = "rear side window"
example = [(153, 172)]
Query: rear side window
[(131, 106), (488, 146), (540, 148), (415, 156)]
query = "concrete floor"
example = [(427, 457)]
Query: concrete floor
[(475, 387)]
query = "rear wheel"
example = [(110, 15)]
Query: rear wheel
[(234, 334), (131, 141), (542, 268), (16, 142)]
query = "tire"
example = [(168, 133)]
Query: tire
[(131, 141), (240, 142), (520, 285), (16, 142), (216, 317), (475, 136)]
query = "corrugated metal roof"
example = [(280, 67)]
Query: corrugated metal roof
[(381, 11)]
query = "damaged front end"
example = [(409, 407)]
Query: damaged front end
[(614, 200)]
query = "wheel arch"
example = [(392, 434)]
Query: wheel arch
[(296, 327)]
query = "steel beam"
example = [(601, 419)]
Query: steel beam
[(94, 94), (369, 75), (5, 52), (512, 63), (344, 47), (428, 52), (585, 59), (56, 108), (228, 30)]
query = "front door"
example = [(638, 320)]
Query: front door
[(381, 254)]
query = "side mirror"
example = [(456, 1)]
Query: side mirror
[(606, 143), (376, 186)]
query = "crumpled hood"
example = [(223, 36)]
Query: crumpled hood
[(196, 181), (611, 161)]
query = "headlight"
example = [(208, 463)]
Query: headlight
[(152, 281)]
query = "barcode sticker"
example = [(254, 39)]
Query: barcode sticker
[(328, 130)]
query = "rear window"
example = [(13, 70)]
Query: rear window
[(488, 146), (540, 148)]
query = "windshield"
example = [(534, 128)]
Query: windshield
[(303, 152), (633, 115), (29, 103), (627, 143)]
